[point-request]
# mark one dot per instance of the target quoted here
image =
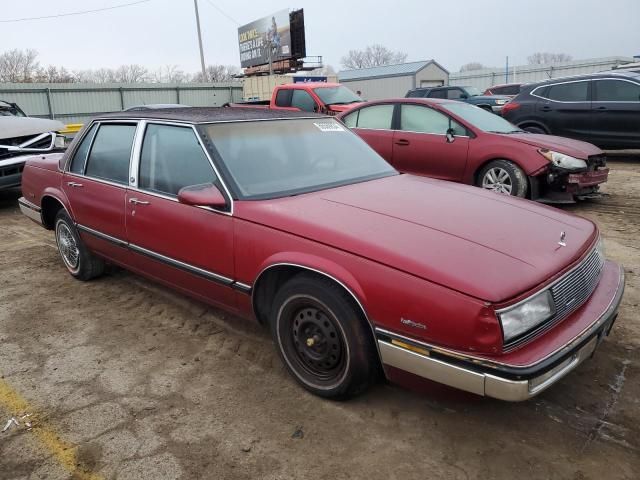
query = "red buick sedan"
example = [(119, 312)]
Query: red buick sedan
[(292, 220), (459, 142)]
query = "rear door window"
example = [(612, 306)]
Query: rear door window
[(171, 159), (616, 91), (283, 98), (454, 94), (302, 100), (376, 117), (111, 152), (438, 94), (569, 92)]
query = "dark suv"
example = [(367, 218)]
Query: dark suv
[(492, 103), (600, 108)]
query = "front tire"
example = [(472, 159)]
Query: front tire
[(322, 337), (80, 262), (503, 176)]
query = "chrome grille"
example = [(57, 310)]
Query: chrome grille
[(575, 288), (568, 294)]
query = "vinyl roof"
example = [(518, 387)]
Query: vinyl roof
[(399, 69), (208, 114)]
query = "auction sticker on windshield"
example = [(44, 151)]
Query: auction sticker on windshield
[(329, 126)]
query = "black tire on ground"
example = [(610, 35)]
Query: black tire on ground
[(503, 176), (534, 129), (80, 262), (322, 337)]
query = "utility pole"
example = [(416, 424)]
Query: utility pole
[(204, 70)]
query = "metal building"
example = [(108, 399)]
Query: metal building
[(392, 81), (485, 78)]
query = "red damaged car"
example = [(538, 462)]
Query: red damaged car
[(459, 142), (294, 221)]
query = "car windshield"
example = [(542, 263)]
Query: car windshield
[(278, 158), (336, 95), (472, 91), (480, 118), (8, 110)]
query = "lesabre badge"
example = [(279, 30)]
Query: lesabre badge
[(562, 243)]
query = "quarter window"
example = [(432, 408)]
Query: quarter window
[(569, 92), (415, 118), (171, 159), (111, 152), (376, 117), (616, 91), (80, 157), (302, 100)]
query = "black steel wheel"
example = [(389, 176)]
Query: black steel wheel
[(323, 338)]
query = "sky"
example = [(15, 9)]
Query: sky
[(162, 32)]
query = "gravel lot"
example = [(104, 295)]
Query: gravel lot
[(125, 379)]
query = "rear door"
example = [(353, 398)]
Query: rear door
[(186, 246), (420, 144), (373, 124), (566, 108), (616, 113), (96, 185)]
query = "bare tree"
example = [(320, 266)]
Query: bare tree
[(53, 74), (169, 74), (217, 73), (544, 58), (326, 70), (131, 74), (372, 56), (18, 65), (471, 66)]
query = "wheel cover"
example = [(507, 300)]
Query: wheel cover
[(498, 180), (67, 246), (317, 342)]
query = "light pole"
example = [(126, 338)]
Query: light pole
[(204, 70)]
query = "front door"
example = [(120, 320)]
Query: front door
[(96, 186), (616, 113), (188, 247), (420, 144)]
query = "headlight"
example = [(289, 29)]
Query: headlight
[(59, 141), (526, 315), (501, 102), (563, 161)]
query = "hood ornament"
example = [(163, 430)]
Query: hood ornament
[(562, 243)]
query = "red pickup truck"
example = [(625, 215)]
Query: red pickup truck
[(319, 97)]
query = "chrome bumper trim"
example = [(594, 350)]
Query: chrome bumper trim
[(488, 382), (30, 210)]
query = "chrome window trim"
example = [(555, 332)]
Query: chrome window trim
[(135, 156), (532, 93), (617, 80), (99, 180), (71, 153)]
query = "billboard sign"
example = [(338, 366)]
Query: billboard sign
[(264, 40)]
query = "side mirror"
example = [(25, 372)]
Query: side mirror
[(205, 195), (450, 136)]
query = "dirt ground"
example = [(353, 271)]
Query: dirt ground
[(125, 379)]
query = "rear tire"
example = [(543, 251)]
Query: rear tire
[(80, 262), (534, 129), (322, 337), (503, 176)]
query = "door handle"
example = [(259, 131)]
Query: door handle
[(74, 184), (402, 142), (546, 108), (138, 202)]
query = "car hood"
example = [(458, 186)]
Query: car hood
[(568, 146), (490, 246), (11, 127)]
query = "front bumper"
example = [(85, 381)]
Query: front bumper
[(11, 173), (504, 381)]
